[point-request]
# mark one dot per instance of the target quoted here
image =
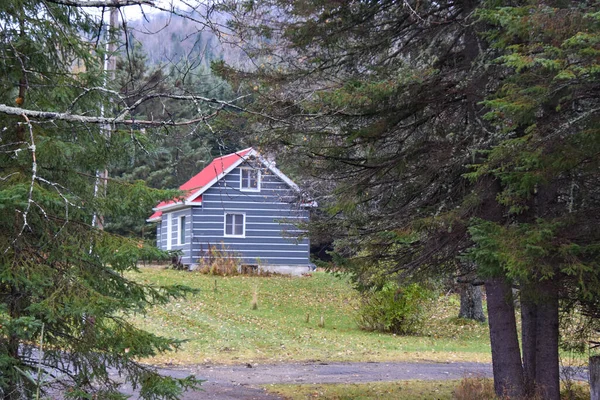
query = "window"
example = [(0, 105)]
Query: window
[(234, 224), (250, 179), (181, 230)]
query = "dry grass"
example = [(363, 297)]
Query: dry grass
[(254, 303), (218, 262), (475, 388), (482, 388), (402, 390), (575, 390)]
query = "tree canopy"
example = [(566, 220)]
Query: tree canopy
[(65, 285), (447, 131)]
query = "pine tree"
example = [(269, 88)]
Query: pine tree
[(448, 131), (65, 287)]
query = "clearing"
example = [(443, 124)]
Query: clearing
[(280, 346), (220, 326)]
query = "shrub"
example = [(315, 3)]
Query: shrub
[(575, 391), (480, 388), (218, 262), (220, 267), (394, 309)]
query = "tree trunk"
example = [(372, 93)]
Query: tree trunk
[(528, 338), (547, 375), (12, 391), (471, 304), (594, 378), (506, 355)]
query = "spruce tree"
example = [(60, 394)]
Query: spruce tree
[(65, 287), (447, 131)]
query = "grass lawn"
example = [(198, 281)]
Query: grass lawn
[(221, 326), (403, 390), (465, 389)]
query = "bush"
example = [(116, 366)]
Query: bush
[(218, 262), (475, 388), (394, 309)]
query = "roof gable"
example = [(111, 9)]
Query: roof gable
[(214, 170), (210, 175)]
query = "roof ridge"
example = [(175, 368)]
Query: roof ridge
[(230, 154)]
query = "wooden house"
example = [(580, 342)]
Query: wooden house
[(240, 207)]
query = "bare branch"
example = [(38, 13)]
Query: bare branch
[(120, 119), (102, 3), (34, 177), (569, 124), (48, 115)]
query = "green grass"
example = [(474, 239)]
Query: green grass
[(464, 389), (221, 326), (403, 390)]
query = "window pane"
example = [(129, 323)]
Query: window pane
[(250, 178), (244, 178), (239, 224), (182, 230), (234, 224), (228, 224)]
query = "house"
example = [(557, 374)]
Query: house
[(240, 207)]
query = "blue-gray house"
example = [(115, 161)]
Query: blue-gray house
[(243, 207)]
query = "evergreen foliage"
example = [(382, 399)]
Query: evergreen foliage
[(166, 158), (65, 301), (447, 130)]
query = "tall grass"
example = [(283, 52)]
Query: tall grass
[(218, 261), (471, 388)]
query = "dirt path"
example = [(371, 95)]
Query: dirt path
[(242, 381)]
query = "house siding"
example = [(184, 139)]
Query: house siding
[(272, 237), (159, 242), (163, 226)]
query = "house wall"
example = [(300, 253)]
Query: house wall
[(271, 215), (159, 235), (162, 234)]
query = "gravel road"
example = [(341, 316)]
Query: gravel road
[(242, 381)]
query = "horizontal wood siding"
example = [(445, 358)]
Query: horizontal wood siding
[(272, 234), (163, 233), (159, 243), (187, 212)]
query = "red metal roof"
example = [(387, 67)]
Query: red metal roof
[(203, 178)]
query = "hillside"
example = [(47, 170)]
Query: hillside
[(168, 39)]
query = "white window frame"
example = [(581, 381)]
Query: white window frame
[(180, 230), (169, 230), (258, 179), (225, 234)]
